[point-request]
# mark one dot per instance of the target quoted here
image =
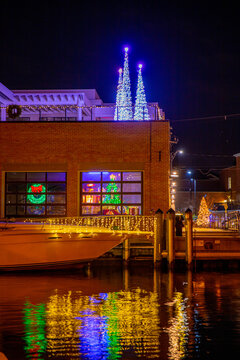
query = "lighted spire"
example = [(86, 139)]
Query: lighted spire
[(126, 99), (118, 109), (141, 110)]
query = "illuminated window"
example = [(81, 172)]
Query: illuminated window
[(35, 194), (111, 193), (91, 199)]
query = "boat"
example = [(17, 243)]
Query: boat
[(29, 245)]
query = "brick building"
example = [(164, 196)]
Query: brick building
[(230, 179), (220, 187), (63, 155)]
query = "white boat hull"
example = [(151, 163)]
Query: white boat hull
[(32, 246)]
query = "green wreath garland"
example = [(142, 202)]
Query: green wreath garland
[(14, 111), (36, 197)]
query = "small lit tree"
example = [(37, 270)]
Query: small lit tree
[(126, 97), (203, 214), (141, 109), (118, 108)]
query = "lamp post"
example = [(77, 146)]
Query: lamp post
[(194, 194), (194, 182)]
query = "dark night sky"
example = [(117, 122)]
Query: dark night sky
[(190, 51)]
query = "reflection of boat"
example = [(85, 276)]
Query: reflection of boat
[(28, 245)]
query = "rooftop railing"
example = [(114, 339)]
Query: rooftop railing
[(68, 113)]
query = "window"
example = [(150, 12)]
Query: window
[(35, 194), (111, 193)]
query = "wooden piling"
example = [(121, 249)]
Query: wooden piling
[(170, 237), (189, 236), (158, 237)]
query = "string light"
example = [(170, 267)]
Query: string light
[(120, 224)]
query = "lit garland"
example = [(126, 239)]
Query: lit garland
[(36, 194), (135, 224), (76, 107), (39, 107), (141, 110)]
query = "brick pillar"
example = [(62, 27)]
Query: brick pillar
[(73, 192)]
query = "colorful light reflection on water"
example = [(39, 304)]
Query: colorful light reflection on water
[(103, 326), (151, 315)]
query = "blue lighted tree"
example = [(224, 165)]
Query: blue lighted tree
[(126, 99), (141, 110), (118, 108)]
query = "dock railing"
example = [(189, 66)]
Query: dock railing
[(131, 224)]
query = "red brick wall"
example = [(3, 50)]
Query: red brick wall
[(82, 146)]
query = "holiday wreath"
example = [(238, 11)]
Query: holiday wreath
[(14, 111)]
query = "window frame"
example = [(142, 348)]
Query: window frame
[(46, 204), (101, 193)]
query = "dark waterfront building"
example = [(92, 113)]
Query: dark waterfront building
[(220, 187), (62, 154)]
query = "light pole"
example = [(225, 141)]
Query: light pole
[(194, 181), (194, 193)]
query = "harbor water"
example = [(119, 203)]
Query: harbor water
[(111, 311)]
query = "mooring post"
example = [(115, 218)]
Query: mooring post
[(189, 236), (170, 236), (158, 237), (126, 250)]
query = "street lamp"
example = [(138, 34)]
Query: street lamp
[(173, 155)]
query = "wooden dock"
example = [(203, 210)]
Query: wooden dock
[(206, 245)]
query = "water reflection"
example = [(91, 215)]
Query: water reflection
[(126, 314), (103, 326), (108, 325), (34, 321), (178, 329)]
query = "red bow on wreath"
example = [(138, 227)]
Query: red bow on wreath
[(36, 189)]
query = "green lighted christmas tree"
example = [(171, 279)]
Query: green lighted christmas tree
[(141, 110), (112, 199), (203, 214)]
